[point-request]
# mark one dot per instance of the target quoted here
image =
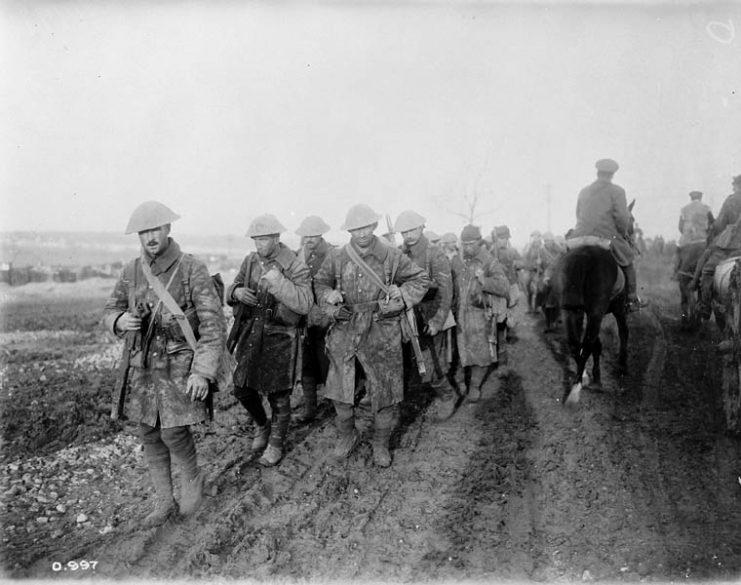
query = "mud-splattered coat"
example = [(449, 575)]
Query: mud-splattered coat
[(265, 337), (374, 340), (159, 388), (313, 260), (602, 210), (435, 306), (478, 305)]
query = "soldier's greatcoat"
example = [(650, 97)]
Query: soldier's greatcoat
[(266, 335), (435, 306), (158, 390), (373, 339), (477, 306), (510, 260), (602, 210)]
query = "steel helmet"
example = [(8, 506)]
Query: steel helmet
[(312, 226), (265, 225), (408, 220), (471, 233), (150, 215), (359, 216)]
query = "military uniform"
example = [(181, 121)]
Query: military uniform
[(602, 211), (480, 299), (265, 336), (314, 361), (365, 335), (433, 311), (163, 368), (726, 242)]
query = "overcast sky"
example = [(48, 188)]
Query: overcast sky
[(227, 110)]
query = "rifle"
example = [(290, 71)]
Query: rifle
[(122, 378), (391, 233)]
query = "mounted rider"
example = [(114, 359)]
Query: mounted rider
[(602, 211), (695, 219)]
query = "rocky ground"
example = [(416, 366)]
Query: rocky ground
[(639, 483)]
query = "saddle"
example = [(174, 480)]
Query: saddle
[(581, 241)]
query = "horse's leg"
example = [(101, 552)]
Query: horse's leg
[(596, 343), (577, 346), (622, 324)]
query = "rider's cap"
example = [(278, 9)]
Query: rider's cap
[(606, 165), (695, 195)]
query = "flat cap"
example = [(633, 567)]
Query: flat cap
[(431, 236), (695, 194), (471, 233), (606, 165), (448, 238), (502, 231)]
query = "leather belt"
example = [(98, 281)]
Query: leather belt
[(368, 307)]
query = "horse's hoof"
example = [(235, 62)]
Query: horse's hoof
[(573, 398)]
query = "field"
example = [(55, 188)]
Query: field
[(639, 483)]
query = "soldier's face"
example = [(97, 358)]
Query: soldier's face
[(363, 236), (470, 248), (266, 245), (412, 236), (311, 242), (155, 241)]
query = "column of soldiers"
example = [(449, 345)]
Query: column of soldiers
[(327, 316)]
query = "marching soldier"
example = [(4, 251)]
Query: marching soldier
[(482, 289), (314, 361), (167, 306), (433, 311), (449, 244), (270, 294), (366, 286)]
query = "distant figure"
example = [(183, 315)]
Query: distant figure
[(449, 244), (694, 220), (602, 211), (269, 295), (166, 302)]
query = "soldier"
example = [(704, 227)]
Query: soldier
[(449, 244), (432, 237), (314, 361), (602, 211), (269, 295), (433, 311), (726, 241), (168, 381), (694, 220), (503, 251), (365, 286), (482, 289)]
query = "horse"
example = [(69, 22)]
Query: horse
[(590, 283), (688, 258)]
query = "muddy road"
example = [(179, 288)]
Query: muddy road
[(637, 483)]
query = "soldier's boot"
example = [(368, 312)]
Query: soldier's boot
[(459, 379), (158, 461), (348, 435), (633, 303), (260, 437), (308, 409), (384, 426), (281, 407), (180, 442), (446, 399), (477, 380)]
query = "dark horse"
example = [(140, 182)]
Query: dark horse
[(590, 283)]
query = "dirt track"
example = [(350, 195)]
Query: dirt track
[(638, 483)]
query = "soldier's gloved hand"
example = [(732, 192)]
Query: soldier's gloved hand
[(245, 295), (272, 276), (395, 292), (197, 387), (343, 314), (128, 322), (431, 330), (334, 297)]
